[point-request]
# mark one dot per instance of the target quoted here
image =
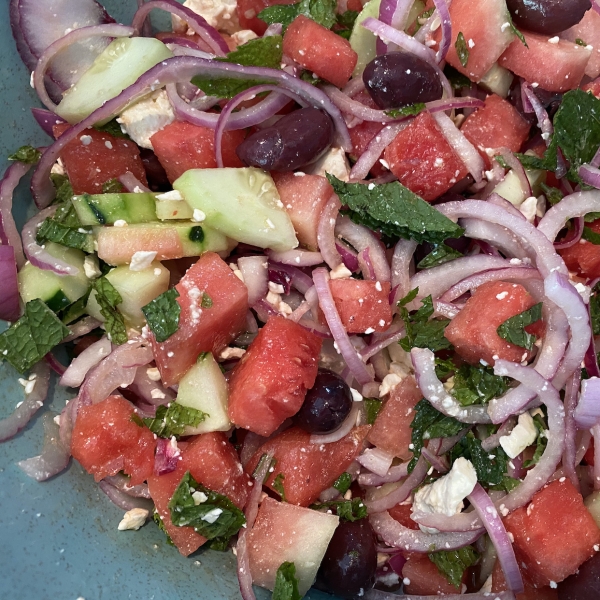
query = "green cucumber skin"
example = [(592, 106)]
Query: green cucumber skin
[(106, 209)]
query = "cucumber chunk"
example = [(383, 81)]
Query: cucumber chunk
[(241, 203), (497, 80), (167, 210), (204, 388), (105, 209), (116, 68)]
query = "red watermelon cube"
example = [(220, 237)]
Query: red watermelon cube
[(588, 30), (530, 592), (424, 579), (583, 258)]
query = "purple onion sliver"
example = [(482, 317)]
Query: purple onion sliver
[(132, 183), (394, 474), (570, 452), (123, 500), (375, 460), (573, 236), (167, 456), (326, 239), (444, 15), (82, 327), (55, 364), (121, 482), (587, 413), (590, 175), (349, 256), (46, 120), (298, 258), (9, 235), (544, 122), (89, 358), (10, 309)]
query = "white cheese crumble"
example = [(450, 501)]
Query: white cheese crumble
[(220, 14), (229, 352), (91, 268), (172, 195), (120, 223), (212, 515), (142, 259), (243, 36), (198, 216), (340, 272), (153, 374), (334, 162), (133, 519), (199, 497), (521, 437)]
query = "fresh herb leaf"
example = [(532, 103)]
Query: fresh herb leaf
[(216, 517), (517, 32), (444, 368), (30, 338), (320, 11), (590, 236), (420, 331), (553, 195), (440, 254), (347, 510), (394, 210), (159, 522), (343, 482), (278, 486), (172, 420), (162, 314), (108, 298), (491, 467), (206, 301), (286, 583), (541, 441), (53, 231), (513, 329), (429, 423), (462, 50), (452, 564), (260, 52), (372, 408), (279, 13), (406, 111), (113, 128), (580, 42), (345, 23), (64, 190), (261, 464), (26, 154), (476, 384), (112, 186), (457, 80)]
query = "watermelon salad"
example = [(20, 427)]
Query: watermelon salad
[(323, 280)]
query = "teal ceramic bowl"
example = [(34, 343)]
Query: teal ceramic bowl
[(59, 539)]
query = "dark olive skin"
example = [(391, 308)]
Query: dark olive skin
[(547, 17), (326, 405), (349, 565), (296, 140), (583, 585), (155, 173), (399, 79)]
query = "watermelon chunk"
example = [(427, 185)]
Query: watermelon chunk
[(588, 30), (554, 534), (497, 125), (319, 50), (402, 513), (530, 592), (425, 578), (556, 67), (583, 258), (423, 160)]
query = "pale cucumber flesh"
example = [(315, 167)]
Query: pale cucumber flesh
[(105, 209)]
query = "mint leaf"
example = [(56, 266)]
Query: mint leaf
[(162, 314), (286, 583), (395, 211), (26, 154), (452, 564), (513, 329), (420, 331), (490, 466), (590, 236), (347, 510), (216, 517), (406, 111), (372, 408), (112, 186), (279, 13), (343, 482), (345, 23), (260, 52), (159, 522), (278, 486), (440, 254), (53, 231), (206, 301), (456, 78), (580, 42), (64, 190), (462, 49), (108, 298), (112, 128), (30, 338), (320, 11), (172, 420), (553, 195), (476, 384), (517, 32)]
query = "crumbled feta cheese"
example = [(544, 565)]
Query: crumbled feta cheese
[(229, 352), (91, 268), (86, 140), (390, 381), (356, 395), (340, 272), (153, 374), (198, 216), (157, 394), (276, 288), (221, 14), (120, 223), (58, 168), (212, 515), (133, 519), (199, 497), (243, 36), (529, 208), (554, 40), (445, 496), (172, 195), (584, 290), (334, 162), (522, 436), (142, 259)]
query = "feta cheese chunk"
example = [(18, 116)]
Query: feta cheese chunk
[(445, 496), (242, 37), (334, 161), (133, 519), (522, 436), (147, 116), (212, 515), (142, 260), (91, 268), (220, 14)]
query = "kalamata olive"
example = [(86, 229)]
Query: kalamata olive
[(398, 79), (326, 405), (155, 173), (547, 16), (583, 585), (349, 565), (296, 140)]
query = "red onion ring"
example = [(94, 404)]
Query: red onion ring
[(587, 413), (464, 521), (394, 13), (570, 402), (123, 500), (81, 328), (439, 463), (132, 183), (500, 237), (166, 458), (121, 482), (10, 308), (394, 474), (393, 334), (400, 270), (297, 258), (299, 280), (375, 460), (590, 175), (325, 233), (342, 431), (544, 122), (349, 255), (254, 271), (9, 235), (89, 358), (444, 15), (573, 236), (570, 207), (46, 120)]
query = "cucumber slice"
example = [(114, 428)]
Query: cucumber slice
[(167, 210), (116, 68), (241, 203), (105, 209), (497, 80), (204, 388), (137, 288), (57, 291)]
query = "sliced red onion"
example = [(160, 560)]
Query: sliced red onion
[(394, 333), (123, 500), (299, 280), (254, 271), (500, 237), (207, 33), (433, 389), (132, 183), (595, 162), (394, 474), (396, 535), (46, 120), (55, 364), (570, 207), (381, 595), (487, 512), (349, 255), (439, 463), (167, 456), (544, 122), (89, 358), (150, 391), (464, 521), (376, 460), (121, 482), (54, 457), (590, 175), (297, 258), (570, 402), (10, 309), (325, 233), (444, 15), (587, 413), (493, 440), (33, 401), (394, 13), (76, 36), (365, 264), (445, 309), (590, 360), (342, 431), (9, 235), (400, 271), (461, 145), (517, 168), (82, 327), (573, 236)]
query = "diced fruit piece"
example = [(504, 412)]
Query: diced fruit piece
[(361, 135), (497, 81), (391, 431), (182, 146), (554, 534), (95, 157), (304, 198), (556, 67), (57, 291), (484, 26), (283, 532), (583, 258), (473, 331), (242, 204), (269, 383), (105, 209), (401, 513), (117, 67), (425, 578), (117, 245), (204, 388), (137, 288), (592, 503), (514, 191), (167, 210), (423, 160), (588, 31), (106, 441), (303, 469), (207, 329), (248, 10), (530, 592), (363, 41), (497, 125), (313, 46), (363, 305)]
